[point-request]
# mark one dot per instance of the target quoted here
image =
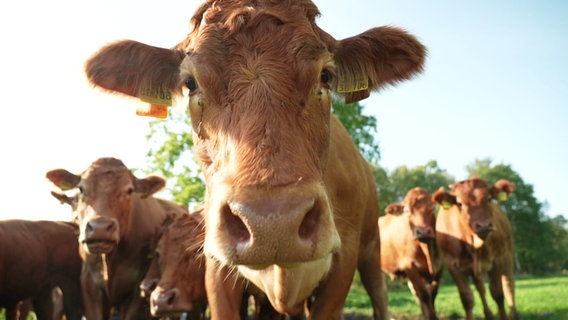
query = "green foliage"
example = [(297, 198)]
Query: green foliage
[(361, 128), (394, 185), (529, 222), (171, 155)]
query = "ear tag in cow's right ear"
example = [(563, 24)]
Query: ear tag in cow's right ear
[(502, 196), (156, 103), (446, 204), (152, 110)]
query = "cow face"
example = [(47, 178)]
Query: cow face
[(418, 208), (102, 207), (179, 254), (472, 198), (258, 75)]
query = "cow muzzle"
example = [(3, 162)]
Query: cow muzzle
[(100, 235), (282, 226), (167, 303), (424, 234), (483, 228)]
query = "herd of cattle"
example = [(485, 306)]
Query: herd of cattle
[(291, 207)]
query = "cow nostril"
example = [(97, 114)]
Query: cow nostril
[(310, 222), (171, 297), (233, 223)]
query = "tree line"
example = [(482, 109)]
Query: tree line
[(541, 242)]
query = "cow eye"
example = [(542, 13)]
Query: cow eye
[(325, 76), (191, 84), (130, 190)]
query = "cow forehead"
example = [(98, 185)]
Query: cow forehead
[(473, 192)]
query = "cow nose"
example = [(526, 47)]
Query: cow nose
[(101, 229), (147, 286), (483, 228), (273, 228), (163, 301), (423, 234)]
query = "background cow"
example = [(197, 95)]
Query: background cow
[(35, 257), (475, 237), (408, 246), (290, 203), (117, 218)]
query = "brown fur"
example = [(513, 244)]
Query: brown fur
[(115, 258), (406, 256), (290, 202), (469, 254), (35, 257)]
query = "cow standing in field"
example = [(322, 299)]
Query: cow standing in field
[(408, 247), (476, 238), (291, 205), (118, 217), (35, 257)]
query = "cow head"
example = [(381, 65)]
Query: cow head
[(259, 75), (472, 198), (418, 208), (102, 207), (179, 255)]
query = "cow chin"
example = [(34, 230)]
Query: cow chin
[(99, 247), (288, 286)]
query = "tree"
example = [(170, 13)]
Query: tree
[(360, 127), (171, 155), (393, 186), (534, 235)]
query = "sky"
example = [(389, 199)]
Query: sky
[(495, 86)]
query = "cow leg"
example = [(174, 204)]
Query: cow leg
[(135, 307), (12, 310), (508, 285), (480, 286), (464, 290), (373, 280), (72, 303), (418, 288), (43, 304), (224, 291), (331, 294), (96, 304)]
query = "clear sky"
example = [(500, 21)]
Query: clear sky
[(495, 85)]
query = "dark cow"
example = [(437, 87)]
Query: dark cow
[(117, 218), (408, 246), (291, 205), (36, 257), (475, 237)]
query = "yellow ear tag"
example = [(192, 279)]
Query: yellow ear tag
[(357, 85), (502, 196), (156, 103), (446, 204), (152, 110)]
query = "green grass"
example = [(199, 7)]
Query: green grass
[(536, 298)]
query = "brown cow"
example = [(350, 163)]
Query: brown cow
[(408, 246), (475, 237), (181, 285), (36, 257), (291, 205), (117, 218), (175, 281)]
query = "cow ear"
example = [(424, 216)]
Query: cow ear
[(149, 185), (63, 179), (132, 68), (394, 209), (376, 58), (443, 198), (501, 190)]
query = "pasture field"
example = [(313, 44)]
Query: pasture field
[(536, 298)]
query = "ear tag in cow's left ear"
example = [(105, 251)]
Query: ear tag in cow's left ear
[(446, 204), (502, 196), (354, 86)]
